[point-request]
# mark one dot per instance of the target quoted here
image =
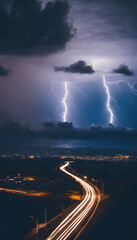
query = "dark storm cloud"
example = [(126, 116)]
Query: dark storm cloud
[(77, 67), (65, 130), (3, 72), (5, 3), (108, 26), (123, 69), (16, 132), (27, 28)]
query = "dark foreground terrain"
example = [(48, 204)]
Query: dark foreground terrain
[(117, 215)]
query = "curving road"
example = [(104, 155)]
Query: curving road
[(75, 221)]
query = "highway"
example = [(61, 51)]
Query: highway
[(75, 222)]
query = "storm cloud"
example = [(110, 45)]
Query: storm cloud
[(4, 72), (77, 67), (123, 69), (25, 27), (56, 131)]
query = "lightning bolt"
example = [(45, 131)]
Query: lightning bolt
[(78, 89), (65, 103), (130, 85), (71, 103), (52, 90), (109, 98), (108, 104)]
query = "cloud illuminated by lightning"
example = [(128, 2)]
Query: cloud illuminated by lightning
[(106, 84), (108, 104), (65, 103)]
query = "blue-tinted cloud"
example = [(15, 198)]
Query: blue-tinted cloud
[(123, 69), (77, 67), (3, 71), (115, 136)]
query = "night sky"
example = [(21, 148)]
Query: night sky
[(68, 61)]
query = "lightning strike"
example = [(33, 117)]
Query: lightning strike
[(52, 90), (108, 105), (65, 103), (130, 85), (78, 89), (71, 102)]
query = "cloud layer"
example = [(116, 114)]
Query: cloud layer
[(26, 28), (3, 72), (114, 136), (77, 67), (123, 69)]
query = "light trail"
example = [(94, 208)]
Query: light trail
[(65, 103), (27, 192), (108, 105), (33, 232), (12, 191), (68, 226)]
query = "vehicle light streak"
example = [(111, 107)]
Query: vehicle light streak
[(12, 191), (108, 106), (79, 214)]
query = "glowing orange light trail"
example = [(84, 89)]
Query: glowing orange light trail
[(79, 214)]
